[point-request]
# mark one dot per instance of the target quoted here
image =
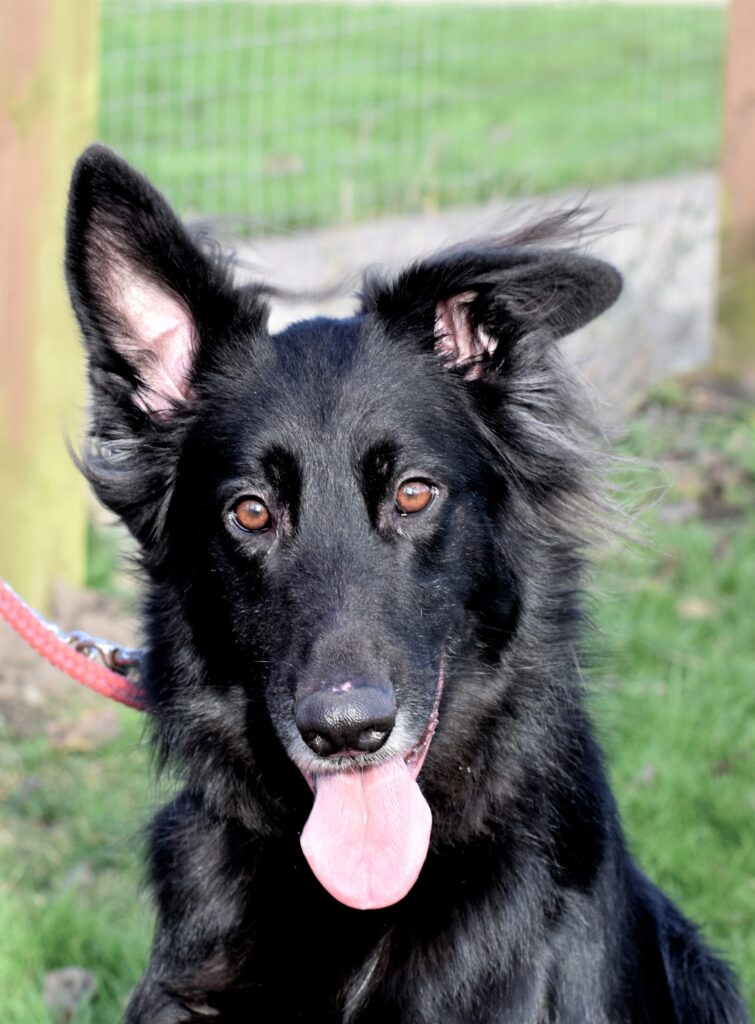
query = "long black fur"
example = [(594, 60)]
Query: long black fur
[(529, 909)]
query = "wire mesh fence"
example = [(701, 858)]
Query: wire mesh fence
[(296, 114)]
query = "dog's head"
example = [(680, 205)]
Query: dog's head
[(348, 527)]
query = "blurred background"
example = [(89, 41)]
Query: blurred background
[(314, 139)]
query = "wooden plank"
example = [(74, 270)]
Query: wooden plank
[(735, 342), (48, 89)]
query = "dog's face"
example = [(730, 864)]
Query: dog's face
[(329, 510), (327, 515)]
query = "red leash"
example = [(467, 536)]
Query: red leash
[(74, 653)]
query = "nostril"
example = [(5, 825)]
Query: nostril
[(321, 745), (367, 742), (370, 740), (346, 720)]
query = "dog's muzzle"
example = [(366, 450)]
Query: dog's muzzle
[(352, 717), (368, 833)]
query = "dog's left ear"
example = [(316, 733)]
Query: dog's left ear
[(473, 305), (149, 301)]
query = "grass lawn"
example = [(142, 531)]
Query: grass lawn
[(673, 696), (295, 115), (69, 870)]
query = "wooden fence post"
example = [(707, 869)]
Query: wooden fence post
[(735, 341), (48, 90)]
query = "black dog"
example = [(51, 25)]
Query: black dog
[(363, 541)]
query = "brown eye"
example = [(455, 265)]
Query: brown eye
[(252, 514), (414, 496)]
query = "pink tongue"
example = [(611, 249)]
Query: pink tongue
[(367, 836)]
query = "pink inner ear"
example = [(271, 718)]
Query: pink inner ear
[(158, 338), (457, 339)]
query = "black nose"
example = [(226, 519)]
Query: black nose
[(347, 718)]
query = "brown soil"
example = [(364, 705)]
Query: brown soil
[(37, 698)]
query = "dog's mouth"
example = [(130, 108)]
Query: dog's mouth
[(368, 833)]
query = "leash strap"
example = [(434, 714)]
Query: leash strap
[(76, 653)]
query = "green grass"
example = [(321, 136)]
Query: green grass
[(304, 114), (104, 554), (673, 698), (678, 712), (70, 872)]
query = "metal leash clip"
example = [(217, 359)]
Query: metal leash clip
[(123, 660)]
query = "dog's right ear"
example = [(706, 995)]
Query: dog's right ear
[(140, 286), (474, 305)]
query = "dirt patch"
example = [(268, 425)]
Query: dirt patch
[(710, 454), (36, 698)]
